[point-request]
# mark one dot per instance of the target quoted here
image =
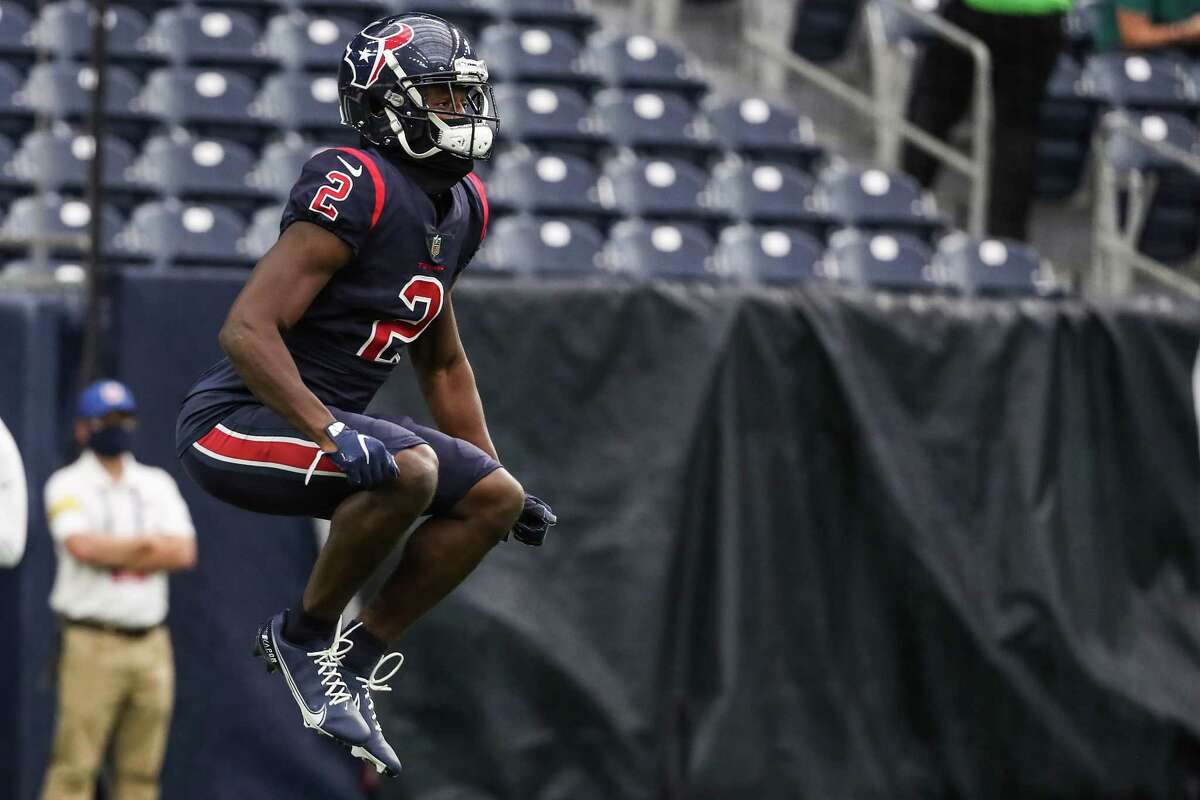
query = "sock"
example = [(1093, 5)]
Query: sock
[(300, 627), (368, 649)]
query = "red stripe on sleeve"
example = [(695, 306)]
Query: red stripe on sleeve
[(376, 178), (478, 184), (283, 454)]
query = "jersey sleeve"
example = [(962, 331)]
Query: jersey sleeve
[(480, 213), (65, 509), (341, 190)]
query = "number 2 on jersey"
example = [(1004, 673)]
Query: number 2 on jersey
[(335, 191), (422, 294)]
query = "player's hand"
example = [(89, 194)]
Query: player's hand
[(365, 460), (535, 522)]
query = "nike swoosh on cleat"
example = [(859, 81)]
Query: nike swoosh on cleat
[(355, 171), (312, 718)]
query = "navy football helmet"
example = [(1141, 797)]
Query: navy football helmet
[(411, 83)]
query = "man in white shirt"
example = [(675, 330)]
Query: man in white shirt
[(13, 500), (118, 528)]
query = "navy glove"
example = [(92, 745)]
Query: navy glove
[(365, 460), (535, 522)]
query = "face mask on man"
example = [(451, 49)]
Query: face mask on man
[(111, 440)]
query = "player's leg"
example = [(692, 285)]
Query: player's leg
[(475, 506), (90, 692), (140, 738)]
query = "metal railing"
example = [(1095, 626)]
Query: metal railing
[(975, 167), (1115, 257)]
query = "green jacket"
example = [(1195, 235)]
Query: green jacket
[(1159, 11), (1027, 7)]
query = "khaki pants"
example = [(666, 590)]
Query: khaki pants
[(111, 688)]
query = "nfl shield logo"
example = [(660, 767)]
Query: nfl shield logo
[(435, 246)]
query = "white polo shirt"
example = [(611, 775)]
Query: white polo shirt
[(83, 498), (13, 501)]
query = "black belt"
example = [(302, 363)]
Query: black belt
[(108, 627)]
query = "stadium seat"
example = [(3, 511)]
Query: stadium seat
[(303, 102), (881, 260), (868, 197), (15, 116), (467, 14), (64, 218), (59, 159), (758, 129), (206, 37), (182, 165), (62, 272), (545, 183), (661, 188), (280, 165), (554, 117), (766, 254), (765, 193), (901, 27), (62, 29), (640, 61), (1127, 153), (1139, 81), (821, 28), (651, 122), (15, 26), (262, 232), (1065, 131), (659, 249), (524, 245), (61, 90), (566, 14), (304, 41), (211, 102), (534, 55), (992, 266), (172, 232), (1080, 24)]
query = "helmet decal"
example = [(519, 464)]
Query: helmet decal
[(368, 60)]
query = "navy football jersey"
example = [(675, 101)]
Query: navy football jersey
[(406, 257)]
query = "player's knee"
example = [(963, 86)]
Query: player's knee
[(500, 501), (418, 473)]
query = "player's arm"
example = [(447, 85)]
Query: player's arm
[(448, 383), (133, 553), (1139, 32), (280, 289)]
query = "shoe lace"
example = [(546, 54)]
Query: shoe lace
[(377, 682), (329, 666)]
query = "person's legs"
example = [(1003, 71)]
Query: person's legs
[(90, 693), (140, 740)]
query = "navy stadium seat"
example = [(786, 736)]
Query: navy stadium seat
[(53, 215), (765, 193), (1065, 131), (181, 165), (661, 188), (992, 266), (880, 260), (1125, 152), (651, 121), (534, 55), (62, 29), (567, 14), (1124, 80), (874, 198), (303, 102), (555, 117), (212, 102), (467, 14), (756, 128), (62, 90), (303, 41), (15, 25), (60, 158), (62, 272), (1080, 24), (262, 232), (773, 255), (523, 245), (821, 28), (280, 165), (15, 116), (544, 183), (172, 232), (206, 37), (640, 61), (898, 26), (659, 249)]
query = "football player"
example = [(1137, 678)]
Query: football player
[(371, 243)]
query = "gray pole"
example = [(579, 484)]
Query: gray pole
[(96, 356)]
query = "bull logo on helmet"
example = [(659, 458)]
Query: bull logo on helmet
[(366, 52)]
